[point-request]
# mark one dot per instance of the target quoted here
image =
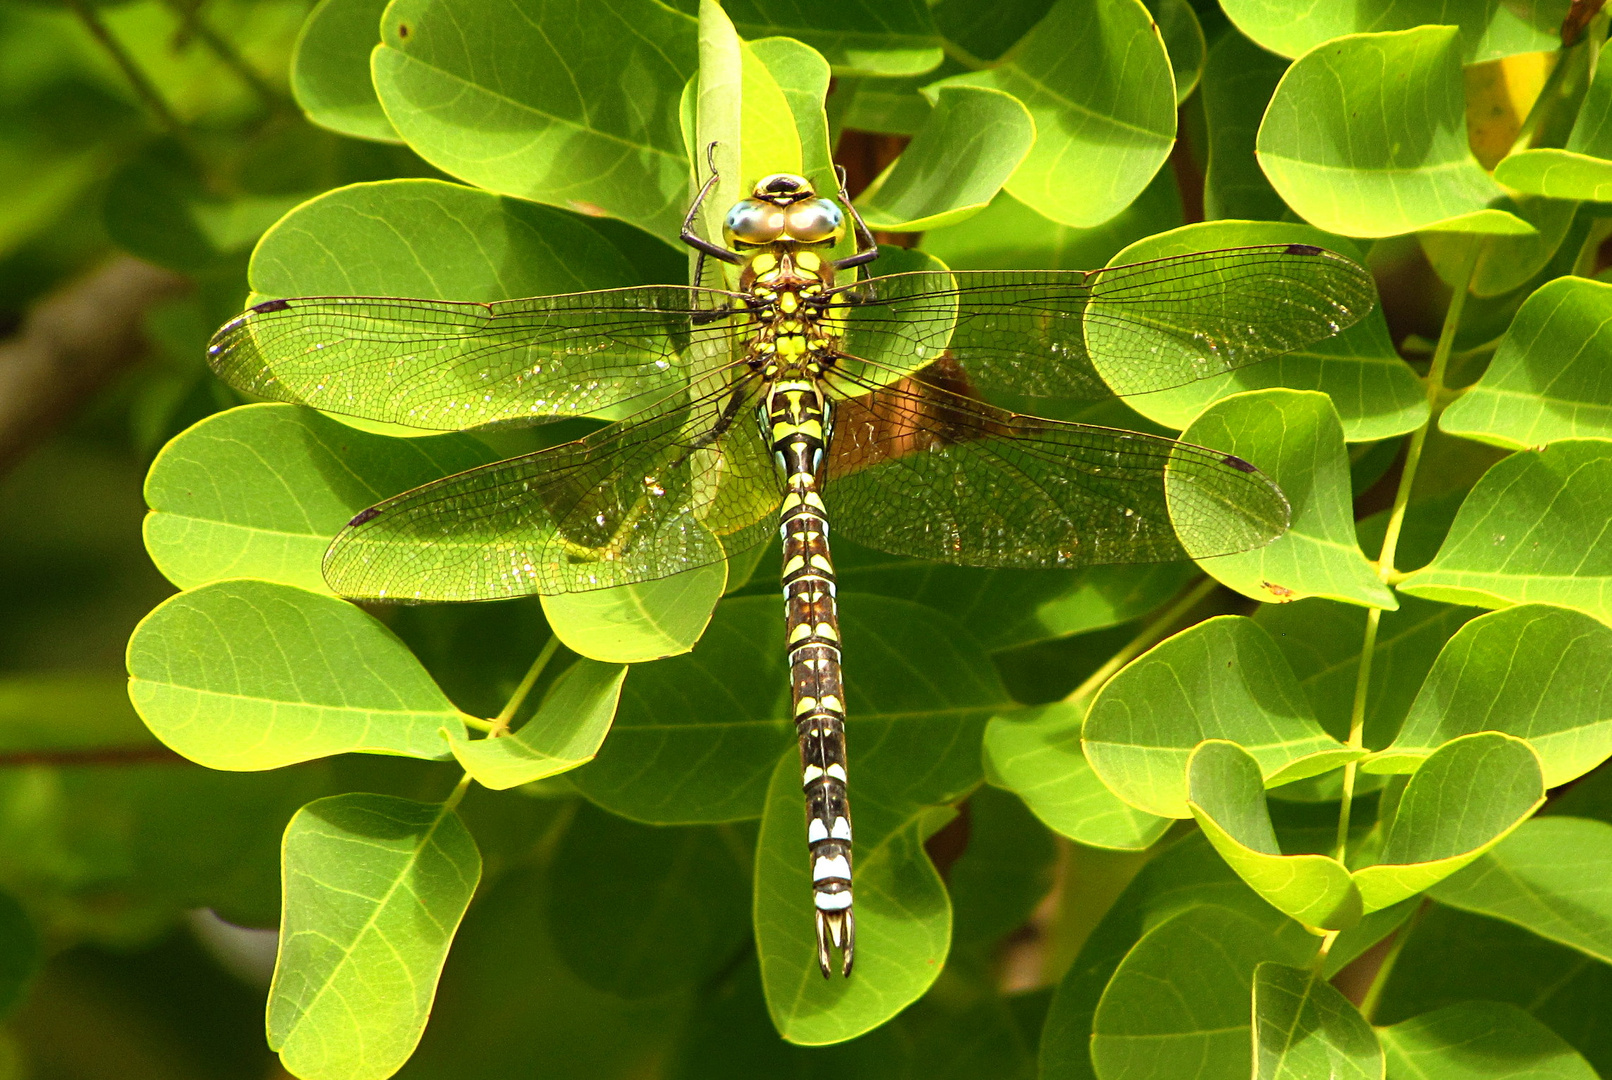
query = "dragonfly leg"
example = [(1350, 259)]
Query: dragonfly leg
[(867, 248), (698, 242)]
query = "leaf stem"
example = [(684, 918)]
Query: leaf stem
[(190, 15), (1149, 636), (500, 724), (143, 87), (456, 796), (1396, 523)]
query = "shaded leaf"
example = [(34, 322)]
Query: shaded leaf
[(1007, 869), (1304, 1028), (330, 69), (1552, 876), (1367, 136), (897, 37), (1539, 673), (1531, 531), (565, 732), (1479, 1040), (253, 675), (1220, 679), (1238, 81), (1487, 30), (375, 887), (21, 952)]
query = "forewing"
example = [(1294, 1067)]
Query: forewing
[(917, 469), (448, 366), (1088, 335), (639, 500)]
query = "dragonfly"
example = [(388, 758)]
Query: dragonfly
[(801, 397)]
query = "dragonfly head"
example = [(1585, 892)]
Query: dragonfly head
[(784, 207)]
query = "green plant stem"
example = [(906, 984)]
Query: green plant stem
[(226, 52), (143, 87), (1149, 636), (456, 796), (1396, 523), (500, 724)]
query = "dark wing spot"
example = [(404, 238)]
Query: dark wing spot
[(271, 305), (1303, 249), (1237, 463), (365, 515)]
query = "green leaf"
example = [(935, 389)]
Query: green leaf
[(1183, 40), (565, 732), (1535, 672), (970, 144), (1466, 798), (859, 37), (1004, 608), (903, 914), (1220, 679), (21, 953), (1454, 957), (1552, 876), (260, 490), (1007, 869), (1227, 795), (631, 624), (375, 887), (1008, 235), (1238, 81), (1035, 753), (803, 77), (1581, 169), (1487, 30), (1546, 382), (1295, 438), (639, 912), (1109, 105), (527, 101), (1531, 531), (1367, 135), (1504, 261), (253, 675), (1304, 1028), (1375, 392), (696, 737), (1480, 1040), (1178, 1003), (330, 69), (440, 241)]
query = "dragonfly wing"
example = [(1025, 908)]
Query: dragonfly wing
[(447, 366), (915, 469), (681, 486), (1088, 335)]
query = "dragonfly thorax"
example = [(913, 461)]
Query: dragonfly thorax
[(794, 335)]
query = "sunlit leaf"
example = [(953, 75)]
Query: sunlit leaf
[(1487, 30), (565, 731), (1480, 1040), (1304, 1028), (330, 69)]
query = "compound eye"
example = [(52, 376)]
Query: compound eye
[(753, 222), (815, 221)]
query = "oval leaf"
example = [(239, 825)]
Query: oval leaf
[(375, 887), (565, 732), (1488, 30), (539, 87), (1480, 1040), (1531, 531), (1547, 382), (631, 624), (1304, 1028), (330, 69), (1227, 795), (1536, 672), (1221, 679), (253, 675), (1035, 753), (1466, 798), (1366, 136), (970, 144), (1109, 105), (1294, 437)]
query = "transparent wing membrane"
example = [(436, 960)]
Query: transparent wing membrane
[(1088, 335), (682, 485)]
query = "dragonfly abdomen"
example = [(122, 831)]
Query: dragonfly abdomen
[(797, 415)]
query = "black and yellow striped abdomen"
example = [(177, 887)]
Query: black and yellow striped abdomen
[(798, 427)]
